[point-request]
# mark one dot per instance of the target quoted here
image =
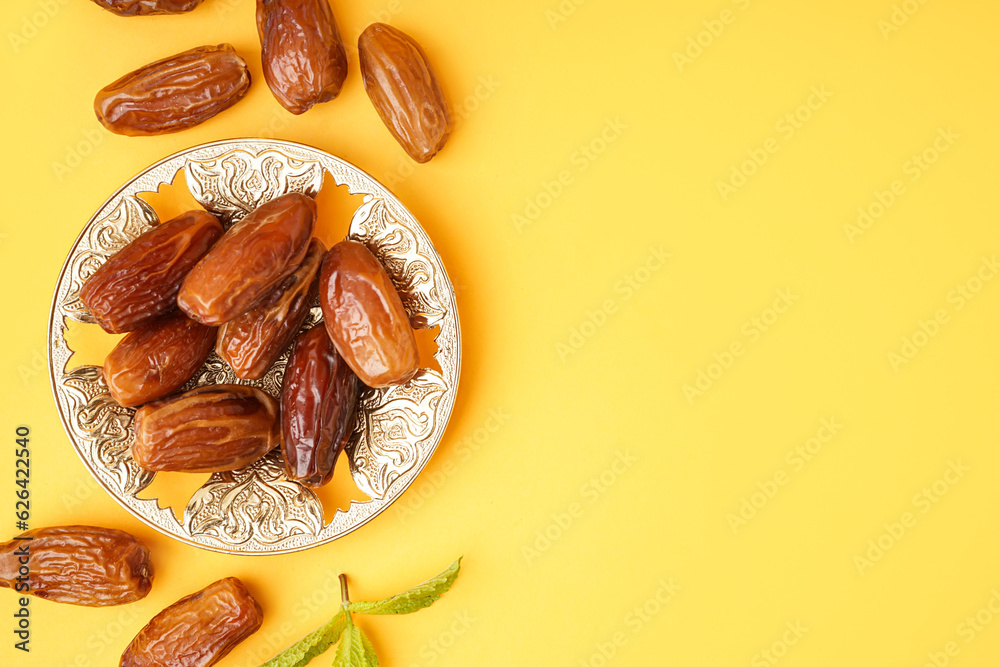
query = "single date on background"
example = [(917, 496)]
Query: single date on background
[(22, 512)]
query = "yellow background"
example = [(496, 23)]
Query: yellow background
[(584, 369)]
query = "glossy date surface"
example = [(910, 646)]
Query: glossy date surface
[(253, 341), (319, 395), (82, 565), (212, 428), (404, 89), (253, 257), (148, 7), (141, 281), (365, 318), (304, 59), (156, 360), (198, 630), (174, 93)]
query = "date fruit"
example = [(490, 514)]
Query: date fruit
[(212, 428), (256, 254), (148, 7), (304, 59), (318, 397), (84, 565), (158, 359), (364, 316), (174, 93), (401, 84), (197, 630), (140, 282), (252, 342)]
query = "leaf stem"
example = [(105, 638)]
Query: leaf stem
[(345, 599)]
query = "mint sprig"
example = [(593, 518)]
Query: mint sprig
[(354, 649)]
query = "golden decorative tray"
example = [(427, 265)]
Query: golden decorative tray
[(258, 510)]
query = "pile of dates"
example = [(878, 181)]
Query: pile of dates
[(186, 287), (304, 63)]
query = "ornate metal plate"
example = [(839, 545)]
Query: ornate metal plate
[(258, 510)]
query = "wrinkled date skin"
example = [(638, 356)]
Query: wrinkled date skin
[(83, 565), (318, 397), (158, 359), (141, 281), (252, 342), (254, 256), (365, 318), (197, 630), (213, 428), (404, 89), (175, 93), (304, 59), (148, 7)]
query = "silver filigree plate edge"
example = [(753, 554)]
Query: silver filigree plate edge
[(368, 509)]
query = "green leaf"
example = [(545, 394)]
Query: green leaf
[(350, 650), (310, 646), (370, 656), (415, 599)]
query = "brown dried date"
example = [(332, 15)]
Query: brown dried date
[(197, 630), (148, 7), (254, 256), (212, 428), (84, 565), (252, 342), (365, 318), (158, 359), (404, 89), (304, 59), (318, 396), (174, 93), (141, 281)]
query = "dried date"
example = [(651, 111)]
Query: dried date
[(404, 89), (252, 342), (365, 318), (319, 394), (198, 630), (212, 428), (254, 256), (141, 281), (304, 59), (148, 7), (158, 359), (174, 93), (83, 565)]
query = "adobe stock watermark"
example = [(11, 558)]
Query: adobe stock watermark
[(786, 128), (634, 621), (967, 631), (751, 332), (431, 650), (899, 17), (77, 152), (580, 160), (591, 491), (623, 290), (914, 168), (33, 368), (467, 448), (483, 90), (796, 460), (33, 23), (923, 502), (772, 655), (323, 599), (111, 637), (562, 12), (957, 298), (705, 38)]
